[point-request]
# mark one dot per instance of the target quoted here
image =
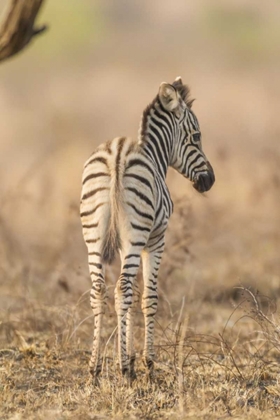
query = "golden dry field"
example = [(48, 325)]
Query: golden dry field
[(84, 81)]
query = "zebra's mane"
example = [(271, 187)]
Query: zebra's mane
[(184, 92), (143, 127)]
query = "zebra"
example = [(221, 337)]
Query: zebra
[(125, 208)]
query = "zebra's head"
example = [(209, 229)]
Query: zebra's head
[(187, 155)]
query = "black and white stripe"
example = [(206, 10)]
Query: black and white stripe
[(126, 205)]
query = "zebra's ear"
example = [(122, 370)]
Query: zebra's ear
[(178, 80), (168, 97)]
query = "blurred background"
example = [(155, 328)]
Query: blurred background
[(88, 79)]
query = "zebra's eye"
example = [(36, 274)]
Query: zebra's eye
[(196, 137)]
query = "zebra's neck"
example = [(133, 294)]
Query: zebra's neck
[(156, 136)]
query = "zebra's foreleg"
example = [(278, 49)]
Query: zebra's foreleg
[(98, 297), (151, 262)]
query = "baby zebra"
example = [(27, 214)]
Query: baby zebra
[(125, 207)]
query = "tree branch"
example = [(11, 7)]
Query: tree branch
[(17, 28)]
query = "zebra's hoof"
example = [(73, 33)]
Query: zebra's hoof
[(129, 374), (95, 376), (132, 376), (95, 380), (148, 363)]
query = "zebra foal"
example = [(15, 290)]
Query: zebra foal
[(125, 207)]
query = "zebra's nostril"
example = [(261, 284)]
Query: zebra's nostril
[(204, 182)]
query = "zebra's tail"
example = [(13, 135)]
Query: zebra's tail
[(112, 239)]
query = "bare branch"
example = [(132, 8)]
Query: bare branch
[(17, 28)]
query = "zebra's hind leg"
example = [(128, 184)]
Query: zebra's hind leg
[(123, 302), (98, 296), (151, 262), (129, 330)]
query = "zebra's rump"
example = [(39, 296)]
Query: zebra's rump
[(118, 185), (95, 201)]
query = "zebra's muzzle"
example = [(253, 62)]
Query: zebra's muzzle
[(204, 181)]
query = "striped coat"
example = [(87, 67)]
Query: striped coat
[(126, 205)]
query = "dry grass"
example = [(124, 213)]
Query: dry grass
[(217, 341), (234, 373), (217, 350), (217, 332)]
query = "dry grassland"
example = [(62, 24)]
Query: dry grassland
[(217, 342), (217, 326)]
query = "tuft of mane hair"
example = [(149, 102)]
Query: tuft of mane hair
[(184, 91)]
